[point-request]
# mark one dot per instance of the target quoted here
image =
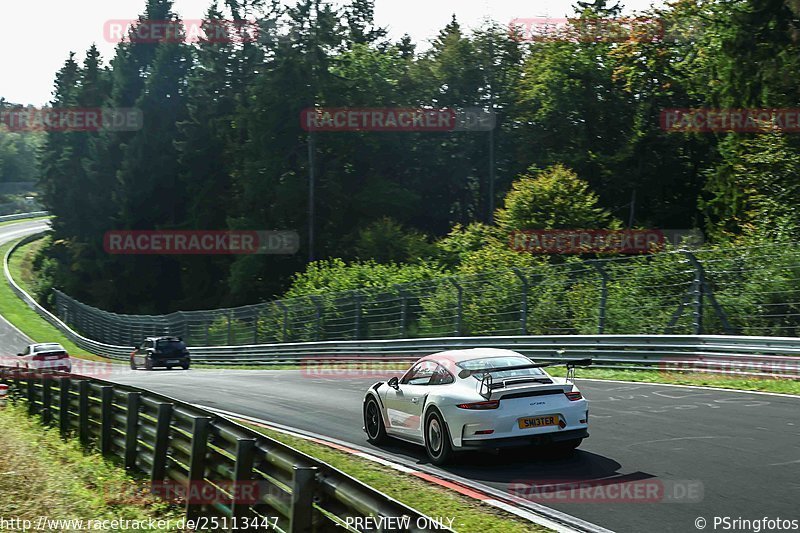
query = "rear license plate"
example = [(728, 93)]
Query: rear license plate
[(52, 357), (537, 421), (173, 362)]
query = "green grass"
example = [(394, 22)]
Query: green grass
[(26, 319), (469, 515), (21, 264), (721, 381), (40, 474)]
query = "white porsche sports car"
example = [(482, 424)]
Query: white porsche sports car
[(478, 398)]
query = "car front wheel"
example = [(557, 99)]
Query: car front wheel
[(148, 364), (133, 364), (437, 441), (373, 422)]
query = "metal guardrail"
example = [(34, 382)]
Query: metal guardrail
[(224, 470), (21, 216), (746, 356), (724, 354), (98, 348)]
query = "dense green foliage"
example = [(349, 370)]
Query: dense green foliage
[(578, 143), (18, 157)]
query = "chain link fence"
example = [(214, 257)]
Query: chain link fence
[(747, 291)]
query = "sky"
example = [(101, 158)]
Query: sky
[(34, 47)]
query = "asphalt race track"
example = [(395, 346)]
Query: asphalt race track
[(738, 454), (10, 338)]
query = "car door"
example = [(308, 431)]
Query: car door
[(23, 357), (137, 354), (404, 405), (141, 353)]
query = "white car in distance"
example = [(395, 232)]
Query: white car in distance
[(480, 398), (45, 356)]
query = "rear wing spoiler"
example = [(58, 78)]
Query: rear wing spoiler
[(486, 379), (570, 364)]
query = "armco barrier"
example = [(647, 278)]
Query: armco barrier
[(22, 216), (229, 474), (723, 354), (105, 350)]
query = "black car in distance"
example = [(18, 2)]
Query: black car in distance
[(166, 352)]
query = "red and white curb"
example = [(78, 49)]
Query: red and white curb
[(541, 515)]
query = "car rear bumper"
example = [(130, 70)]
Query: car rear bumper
[(527, 440), (497, 425), (59, 365), (171, 361)]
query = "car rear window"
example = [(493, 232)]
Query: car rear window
[(499, 362), (48, 348), (170, 345)]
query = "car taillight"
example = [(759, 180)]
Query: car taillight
[(573, 396), (49, 355), (492, 404)]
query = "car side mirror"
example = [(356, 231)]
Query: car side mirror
[(394, 383)]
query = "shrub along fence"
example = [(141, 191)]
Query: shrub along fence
[(746, 291)]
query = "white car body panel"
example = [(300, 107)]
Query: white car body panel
[(49, 362), (404, 410)]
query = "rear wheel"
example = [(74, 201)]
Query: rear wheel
[(133, 364), (185, 366), (373, 422), (437, 441)]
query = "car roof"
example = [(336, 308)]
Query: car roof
[(163, 338), (458, 356)]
